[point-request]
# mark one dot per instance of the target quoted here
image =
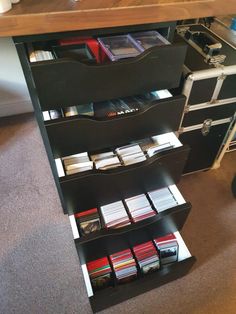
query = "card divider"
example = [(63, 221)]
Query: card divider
[(127, 211), (63, 165), (158, 252), (151, 203), (119, 157), (103, 226), (62, 112), (139, 272), (113, 275), (177, 203), (78, 226)]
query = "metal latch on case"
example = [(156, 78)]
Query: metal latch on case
[(206, 127)]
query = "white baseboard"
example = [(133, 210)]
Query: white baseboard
[(13, 108)]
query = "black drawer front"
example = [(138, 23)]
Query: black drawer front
[(213, 113), (113, 295), (204, 149), (97, 188), (80, 134), (228, 89), (65, 82), (108, 241), (202, 91)]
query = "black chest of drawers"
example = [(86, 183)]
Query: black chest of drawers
[(65, 82)]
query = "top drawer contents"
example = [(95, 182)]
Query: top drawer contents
[(131, 45), (68, 72)]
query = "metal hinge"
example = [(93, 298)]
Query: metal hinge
[(181, 30), (216, 60)]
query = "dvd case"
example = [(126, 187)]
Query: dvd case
[(119, 47), (149, 39)]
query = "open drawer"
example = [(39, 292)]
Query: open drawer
[(112, 295), (67, 82), (108, 241), (94, 188), (77, 134)]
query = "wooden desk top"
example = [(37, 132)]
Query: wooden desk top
[(47, 16)]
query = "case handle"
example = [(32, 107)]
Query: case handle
[(208, 46), (206, 42)]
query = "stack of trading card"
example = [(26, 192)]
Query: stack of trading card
[(111, 108), (40, 55), (146, 98), (132, 105), (157, 148), (77, 163), (88, 221), (55, 114), (86, 109), (146, 143), (124, 266), (106, 160), (70, 111), (100, 273), (147, 257), (105, 109), (131, 154), (162, 199), (168, 248), (115, 215), (139, 207)]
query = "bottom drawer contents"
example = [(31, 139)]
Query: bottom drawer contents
[(124, 274), (130, 263)]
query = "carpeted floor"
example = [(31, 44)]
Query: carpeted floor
[(39, 266)]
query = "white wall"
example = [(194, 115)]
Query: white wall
[(14, 96)]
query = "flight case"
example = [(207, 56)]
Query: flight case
[(209, 84)]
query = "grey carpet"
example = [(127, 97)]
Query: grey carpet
[(39, 266)]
